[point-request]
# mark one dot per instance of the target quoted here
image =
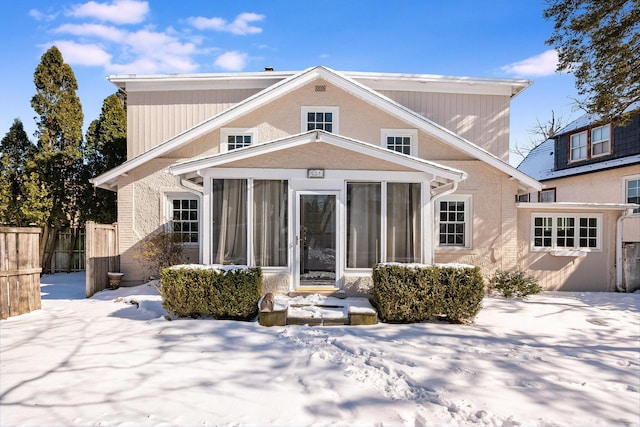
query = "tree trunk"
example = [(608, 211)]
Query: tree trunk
[(53, 238), (72, 246), (44, 237)]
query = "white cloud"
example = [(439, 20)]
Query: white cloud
[(105, 32), (231, 61), (82, 54), (241, 25), (41, 16), (540, 65), (118, 11)]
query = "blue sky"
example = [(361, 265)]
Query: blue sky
[(497, 39)]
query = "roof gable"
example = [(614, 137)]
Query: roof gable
[(314, 141), (295, 81)]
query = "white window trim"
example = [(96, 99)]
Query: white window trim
[(586, 147), (608, 139), (411, 133), (468, 208), (305, 109), (169, 198), (226, 132), (565, 250), (625, 183)]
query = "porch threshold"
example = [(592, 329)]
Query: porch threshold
[(319, 310), (313, 290)]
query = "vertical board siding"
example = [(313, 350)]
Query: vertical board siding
[(19, 271), (101, 255), (155, 117), (481, 119)]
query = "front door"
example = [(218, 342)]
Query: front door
[(316, 255)]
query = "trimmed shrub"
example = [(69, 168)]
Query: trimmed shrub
[(512, 284), (415, 293), (221, 292)]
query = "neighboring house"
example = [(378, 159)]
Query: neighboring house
[(591, 173), (317, 175)]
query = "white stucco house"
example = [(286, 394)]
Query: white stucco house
[(317, 175)]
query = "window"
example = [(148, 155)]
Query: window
[(401, 140), (454, 221), (229, 221), (578, 146), (363, 224), (234, 138), (632, 192), (324, 118), (590, 143), (547, 196), (185, 218), (542, 232), (403, 222), (600, 140), (566, 231), (238, 141), (522, 198), (270, 222)]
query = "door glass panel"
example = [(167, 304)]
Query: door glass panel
[(317, 239)]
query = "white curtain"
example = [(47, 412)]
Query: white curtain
[(270, 223), (403, 222), (229, 221), (363, 224)]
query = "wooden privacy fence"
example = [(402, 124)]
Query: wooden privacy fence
[(101, 251), (19, 270)]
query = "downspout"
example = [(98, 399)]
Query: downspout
[(433, 215), (619, 230)]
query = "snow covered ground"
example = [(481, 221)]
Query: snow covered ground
[(114, 360)]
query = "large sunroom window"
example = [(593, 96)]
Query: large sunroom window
[(403, 222), (270, 222), (268, 213), (229, 221), (363, 224)]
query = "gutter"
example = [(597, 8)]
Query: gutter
[(619, 230)]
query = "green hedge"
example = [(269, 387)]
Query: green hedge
[(202, 291), (408, 293)]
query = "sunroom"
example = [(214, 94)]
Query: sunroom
[(316, 210)]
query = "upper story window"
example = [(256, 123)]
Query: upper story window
[(234, 138), (547, 195), (601, 140), (590, 143), (632, 190), (184, 217), (579, 146), (317, 117), (403, 141)]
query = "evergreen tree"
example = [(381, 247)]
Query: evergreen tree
[(15, 148), (599, 41), (57, 162), (105, 148)]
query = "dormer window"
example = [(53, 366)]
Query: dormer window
[(591, 143), (601, 140), (579, 146)]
